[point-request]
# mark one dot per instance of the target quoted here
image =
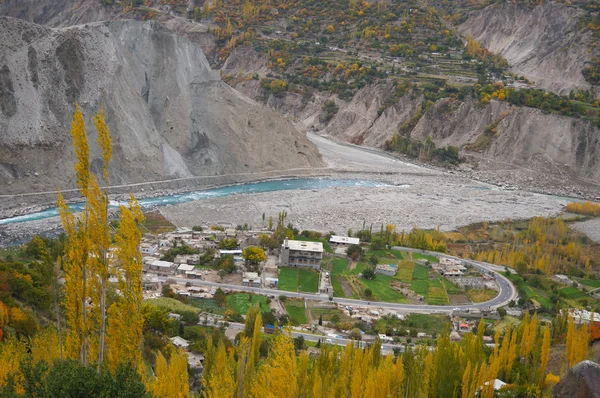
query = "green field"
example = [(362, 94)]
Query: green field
[(338, 266), (380, 286), (290, 279), (420, 287), (571, 293), (207, 305), (326, 244), (451, 288), (241, 302), (436, 295), (432, 323), (424, 257), (589, 282), (406, 269), (173, 305), (421, 272), (296, 311), (387, 254)]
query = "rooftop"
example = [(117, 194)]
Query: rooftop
[(344, 239), (305, 246), (179, 342), (230, 252), (162, 264), (185, 267)]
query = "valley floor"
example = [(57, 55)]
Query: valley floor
[(416, 195), (413, 195)]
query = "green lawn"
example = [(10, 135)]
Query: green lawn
[(241, 302), (571, 293), (406, 269), (589, 282), (436, 295), (296, 311), (380, 286), (292, 278), (421, 272), (326, 244)]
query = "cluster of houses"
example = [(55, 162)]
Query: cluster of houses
[(450, 267), (292, 253), (153, 249)]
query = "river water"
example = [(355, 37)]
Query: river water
[(257, 187)]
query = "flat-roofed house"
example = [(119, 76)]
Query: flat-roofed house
[(162, 267), (343, 240), (296, 253), (183, 268)]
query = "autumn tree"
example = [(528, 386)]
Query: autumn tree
[(254, 255), (577, 343)]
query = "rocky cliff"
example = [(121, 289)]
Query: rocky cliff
[(525, 137), (542, 43), (170, 114)]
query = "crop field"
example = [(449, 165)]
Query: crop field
[(436, 294), (296, 311), (338, 266), (421, 287), (589, 282), (241, 302), (294, 279), (406, 269), (421, 272), (380, 286), (571, 293)]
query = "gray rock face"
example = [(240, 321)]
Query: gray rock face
[(170, 114), (582, 381), (525, 137), (543, 43)]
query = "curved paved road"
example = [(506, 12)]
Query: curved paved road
[(507, 291)]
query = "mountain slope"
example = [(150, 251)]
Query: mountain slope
[(543, 43), (170, 114)]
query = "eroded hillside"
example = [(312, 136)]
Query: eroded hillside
[(170, 114)]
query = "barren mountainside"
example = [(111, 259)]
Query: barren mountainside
[(542, 43), (170, 114)]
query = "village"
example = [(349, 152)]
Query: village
[(200, 263)]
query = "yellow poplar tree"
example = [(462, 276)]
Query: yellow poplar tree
[(273, 378), (220, 383), (544, 355), (125, 318)]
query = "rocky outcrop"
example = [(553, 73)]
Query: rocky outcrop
[(365, 120), (525, 137), (543, 43), (582, 381), (170, 114)]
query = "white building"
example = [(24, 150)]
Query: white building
[(179, 342), (343, 240), (386, 269), (237, 255), (251, 279), (148, 249), (184, 268), (162, 267), (297, 253)]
